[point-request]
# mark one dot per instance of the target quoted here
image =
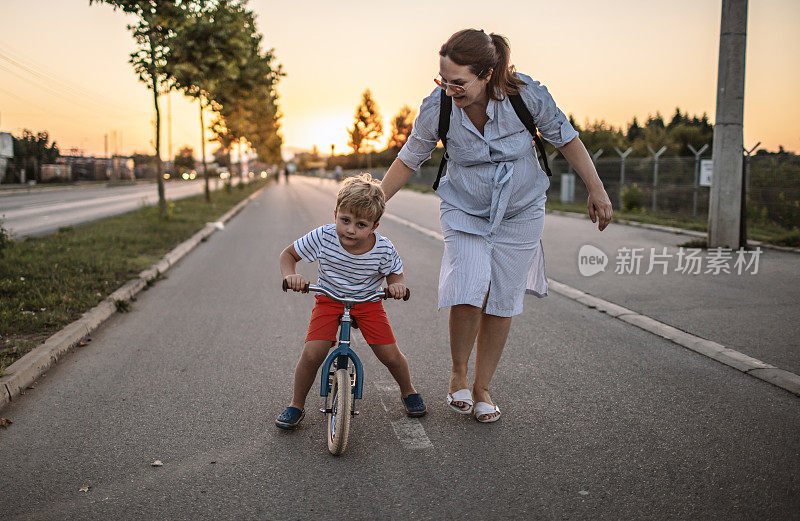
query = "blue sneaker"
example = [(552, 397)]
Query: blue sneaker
[(414, 405), (290, 418)]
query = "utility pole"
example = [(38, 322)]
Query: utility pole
[(108, 163), (169, 130), (724, 210)]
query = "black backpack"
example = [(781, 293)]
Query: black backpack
[(522, 113)]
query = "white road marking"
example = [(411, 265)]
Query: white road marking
[(414, 226), (409, 431)]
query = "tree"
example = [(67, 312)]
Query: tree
[(184, 158), (677, 119), (247, 100), (216, 42), (600, 134), (656, 121), (402, 124), (368, 124), (634, 130), (34, 150), (356, 139), (157, 23)]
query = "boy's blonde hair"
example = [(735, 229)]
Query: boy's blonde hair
[(363, 196)]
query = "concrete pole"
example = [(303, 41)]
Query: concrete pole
[(724, 209)]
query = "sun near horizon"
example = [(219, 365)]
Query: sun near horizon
[(600, 62)]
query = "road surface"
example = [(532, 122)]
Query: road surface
[(38, 212), (601, 420)]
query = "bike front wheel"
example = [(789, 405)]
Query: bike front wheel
[(340, 412)]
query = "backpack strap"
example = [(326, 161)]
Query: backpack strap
[(446, 108), (527, 119)]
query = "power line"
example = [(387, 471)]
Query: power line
[(39, 69), (67, 93), (74, 99)]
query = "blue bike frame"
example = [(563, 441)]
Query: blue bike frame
[(341, 355)]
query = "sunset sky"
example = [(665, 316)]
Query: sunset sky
[(63, 64)]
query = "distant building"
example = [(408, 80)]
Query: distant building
[(58, 173), (6, 153), (87, 168)]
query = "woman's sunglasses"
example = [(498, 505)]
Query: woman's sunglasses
[(457, 89)]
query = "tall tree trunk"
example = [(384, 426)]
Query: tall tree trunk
[(203, 149), (162, 201)]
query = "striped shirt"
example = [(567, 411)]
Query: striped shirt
[(343, 273)]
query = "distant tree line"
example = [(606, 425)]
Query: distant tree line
[(682, 130), (677, 134)]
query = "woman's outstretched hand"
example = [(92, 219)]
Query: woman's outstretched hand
[(599, 208)]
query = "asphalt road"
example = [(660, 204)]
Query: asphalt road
[(601, 420), (41, 211), (755, 312)]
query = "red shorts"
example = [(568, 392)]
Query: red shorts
[(370, 317)]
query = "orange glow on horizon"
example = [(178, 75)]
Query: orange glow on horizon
[(599, 61)]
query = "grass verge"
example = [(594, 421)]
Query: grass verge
[(47, 282), (757, 231)]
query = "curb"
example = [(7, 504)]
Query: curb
[(756, 368), (19, 190), (677, 231), (22, 373)]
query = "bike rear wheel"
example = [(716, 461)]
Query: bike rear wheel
[(340, 412)]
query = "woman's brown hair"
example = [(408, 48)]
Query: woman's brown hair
[(481, 52)]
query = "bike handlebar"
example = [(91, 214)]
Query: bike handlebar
[(379, 294)]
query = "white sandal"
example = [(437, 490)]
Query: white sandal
[(462, 395), (485, 408)]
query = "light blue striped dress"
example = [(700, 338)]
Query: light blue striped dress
[(492, 198)]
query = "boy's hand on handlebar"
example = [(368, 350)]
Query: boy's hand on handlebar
[(397, 290), (296, 282)]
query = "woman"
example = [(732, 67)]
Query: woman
[(492, 200)]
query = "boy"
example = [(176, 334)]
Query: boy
[(353, 261)]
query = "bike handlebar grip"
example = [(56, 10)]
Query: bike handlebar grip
[(387, 295), (286, 286)]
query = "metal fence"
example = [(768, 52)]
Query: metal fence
[(670, 185)]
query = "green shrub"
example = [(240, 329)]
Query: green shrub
[(5, 238), (632, 197)]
